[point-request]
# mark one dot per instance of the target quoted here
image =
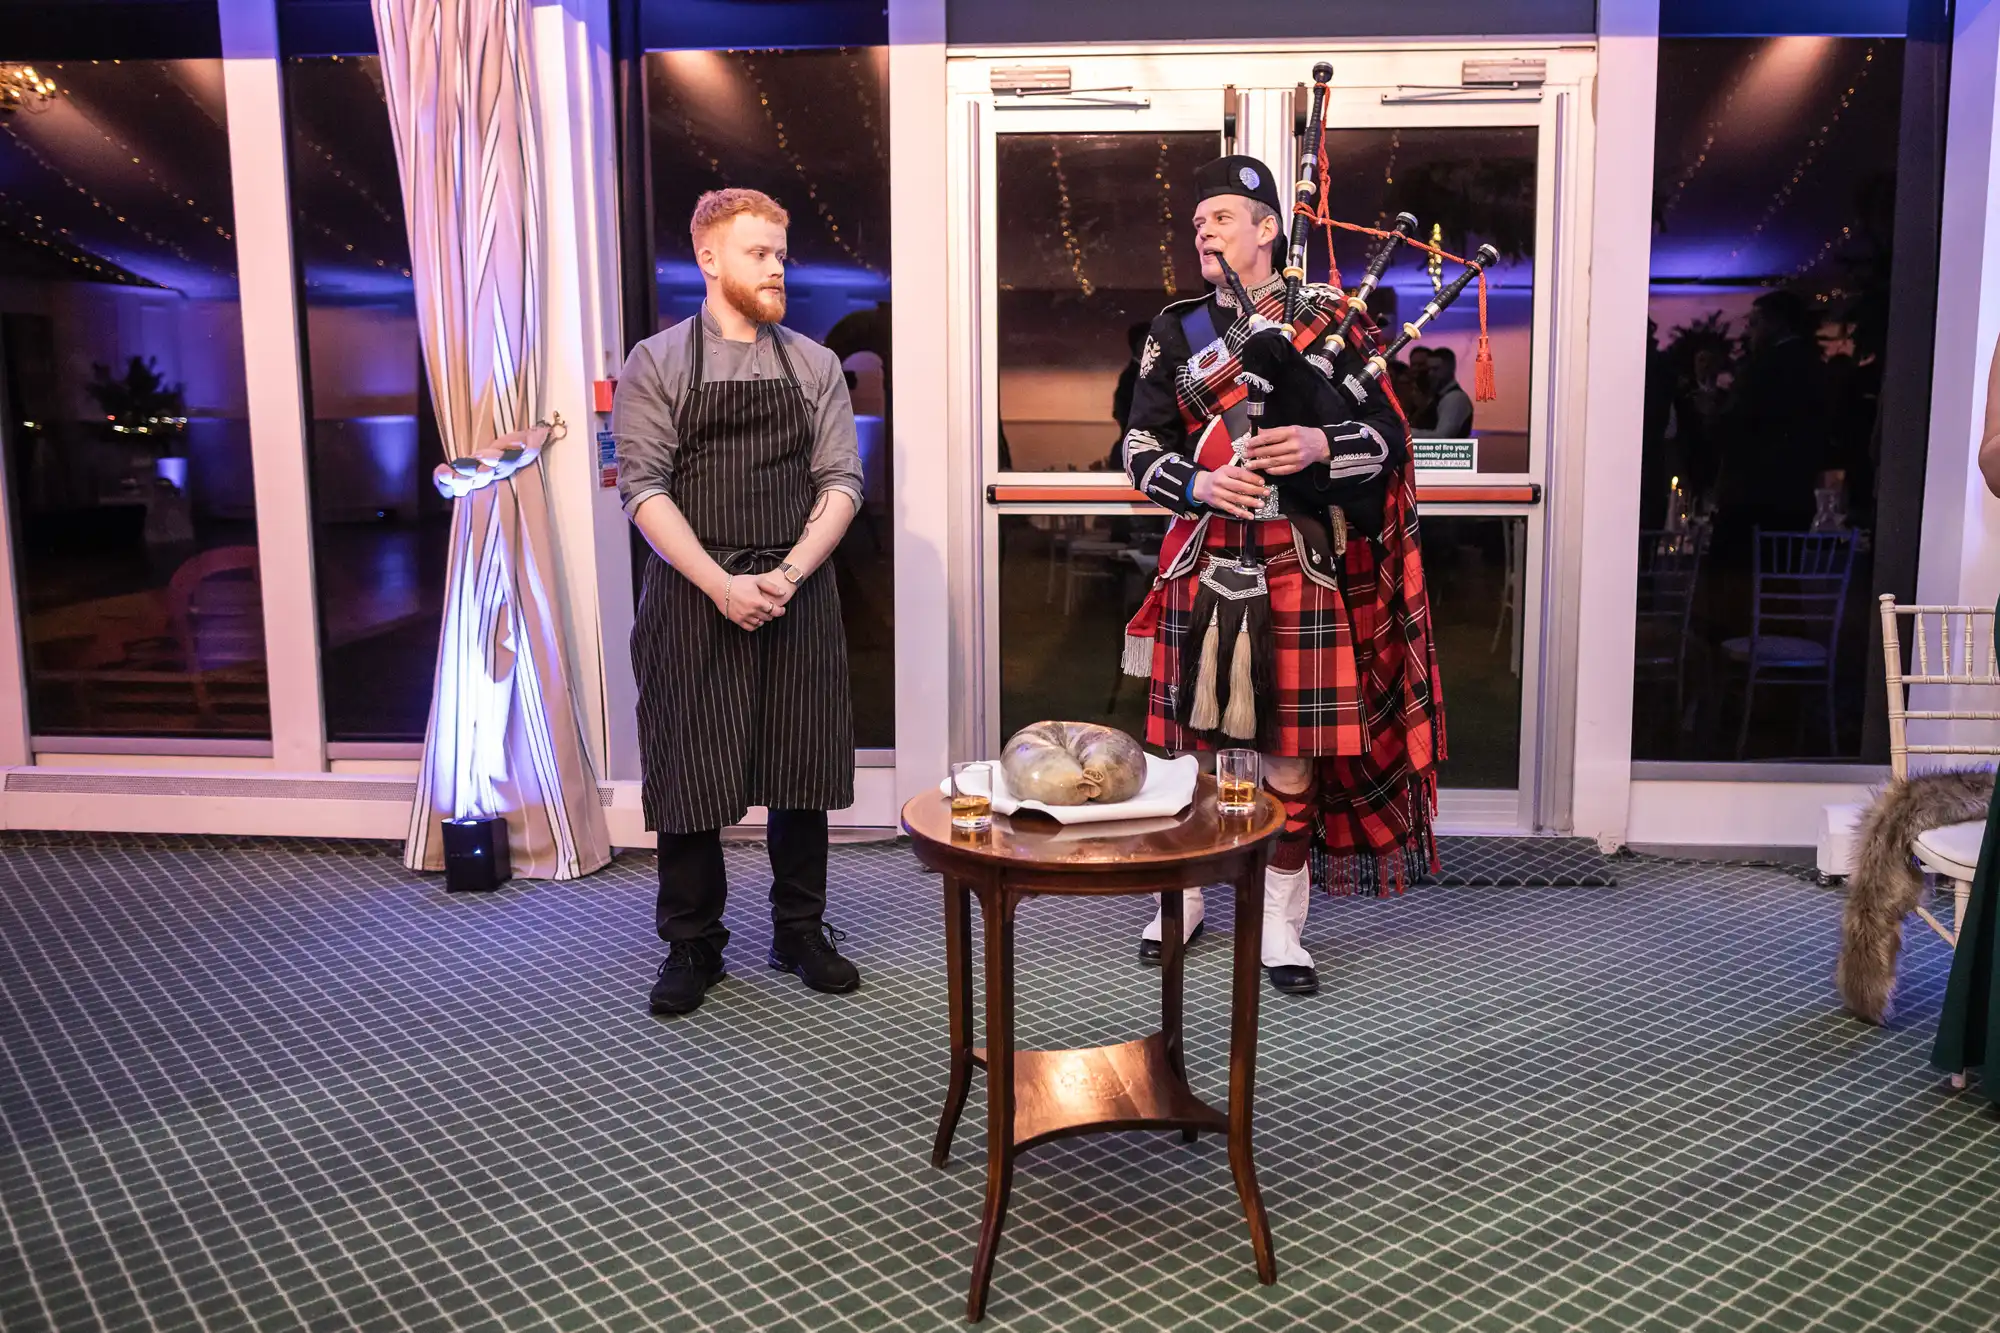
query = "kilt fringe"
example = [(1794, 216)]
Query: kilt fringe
[(1366, 872), (1138, 656)]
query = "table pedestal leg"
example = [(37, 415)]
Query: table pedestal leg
[(1247, 988), (997, 907), (958, 999), (1173, 959)]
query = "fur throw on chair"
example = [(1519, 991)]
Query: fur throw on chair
[(1886, 883)]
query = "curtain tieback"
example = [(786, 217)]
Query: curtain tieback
[(497, 461)]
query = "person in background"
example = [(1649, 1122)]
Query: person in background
[(1411, 393), (1968, 1035), (1775, 429), (737, 462), (1451, 405), (1423, 413), (1121, 397), (1658, 465), (1989, 442)]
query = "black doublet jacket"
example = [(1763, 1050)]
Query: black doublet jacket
[(1178, 385)]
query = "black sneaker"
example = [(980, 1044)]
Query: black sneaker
[(1149, 950), (810, 954), (692, 966)]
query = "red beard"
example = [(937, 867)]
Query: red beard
[(761, 305)]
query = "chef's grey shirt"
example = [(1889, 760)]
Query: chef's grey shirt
[(654, 383)]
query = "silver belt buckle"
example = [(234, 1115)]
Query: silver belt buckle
[(1233, 579)]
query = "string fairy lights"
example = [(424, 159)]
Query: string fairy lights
[(798, 166), (1813, 148), (1071, 246), (865, 91), (59, 243), (352, 182), (1714, 127), (127, 150), (1389, 176), (108, 210), (1821, 255), (1168, 282), (694, 140)]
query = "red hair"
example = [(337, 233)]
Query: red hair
[(718, 206)]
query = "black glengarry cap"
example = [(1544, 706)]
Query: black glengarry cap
[(1245, 176)]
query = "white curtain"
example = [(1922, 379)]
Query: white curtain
[(506, 734)]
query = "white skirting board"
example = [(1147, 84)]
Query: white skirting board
[(1735, 814), (317, 805), (1839, 828), (311, 805)]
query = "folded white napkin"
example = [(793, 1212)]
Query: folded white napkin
[(1169, 789)]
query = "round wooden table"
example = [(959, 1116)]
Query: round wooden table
[(1035, 1096)]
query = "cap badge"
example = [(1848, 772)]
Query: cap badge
[(1249, 177)]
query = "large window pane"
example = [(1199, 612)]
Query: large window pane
[(380, 529), (1068, 584), (1775, 204), (126, 432), (1477, 572), (1094, 239), (1467, 186), (811, 129)]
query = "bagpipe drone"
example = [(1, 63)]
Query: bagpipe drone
[(1278, 359)]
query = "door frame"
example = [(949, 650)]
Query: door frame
[(1376, 85)]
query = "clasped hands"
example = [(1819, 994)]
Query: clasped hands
[(1277, 451), (754, 600)]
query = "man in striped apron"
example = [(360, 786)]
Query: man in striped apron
[(737, 461), (1289, 613)]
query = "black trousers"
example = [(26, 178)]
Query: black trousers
[(693, 887)]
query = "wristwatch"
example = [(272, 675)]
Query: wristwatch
[(791, 573)]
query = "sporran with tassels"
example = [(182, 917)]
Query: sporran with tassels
[(1235, 665)]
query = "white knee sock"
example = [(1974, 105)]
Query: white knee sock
[(1287, 896), (1190, 916)]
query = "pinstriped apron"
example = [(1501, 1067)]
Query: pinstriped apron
[(732, 718)]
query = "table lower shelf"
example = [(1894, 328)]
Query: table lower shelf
[(1128, 1086)]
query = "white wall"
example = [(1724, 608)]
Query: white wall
[(1620, 229), (1959, 556)]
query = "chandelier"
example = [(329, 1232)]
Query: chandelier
[(21, 87)]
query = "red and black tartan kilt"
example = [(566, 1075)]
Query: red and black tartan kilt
[(1377, 749), (1318, 684)]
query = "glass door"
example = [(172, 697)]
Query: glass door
[(1078, 205), (1476, 166)]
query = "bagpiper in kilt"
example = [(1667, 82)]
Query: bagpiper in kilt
[(1341, 661)]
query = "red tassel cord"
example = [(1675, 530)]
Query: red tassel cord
[(1484, 389)]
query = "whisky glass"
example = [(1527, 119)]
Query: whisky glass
[(972, 796), (1236, 779)]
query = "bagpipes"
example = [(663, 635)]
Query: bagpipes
[(1310, 207), (1234, 665)]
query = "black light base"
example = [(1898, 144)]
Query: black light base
[(475, 855)]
